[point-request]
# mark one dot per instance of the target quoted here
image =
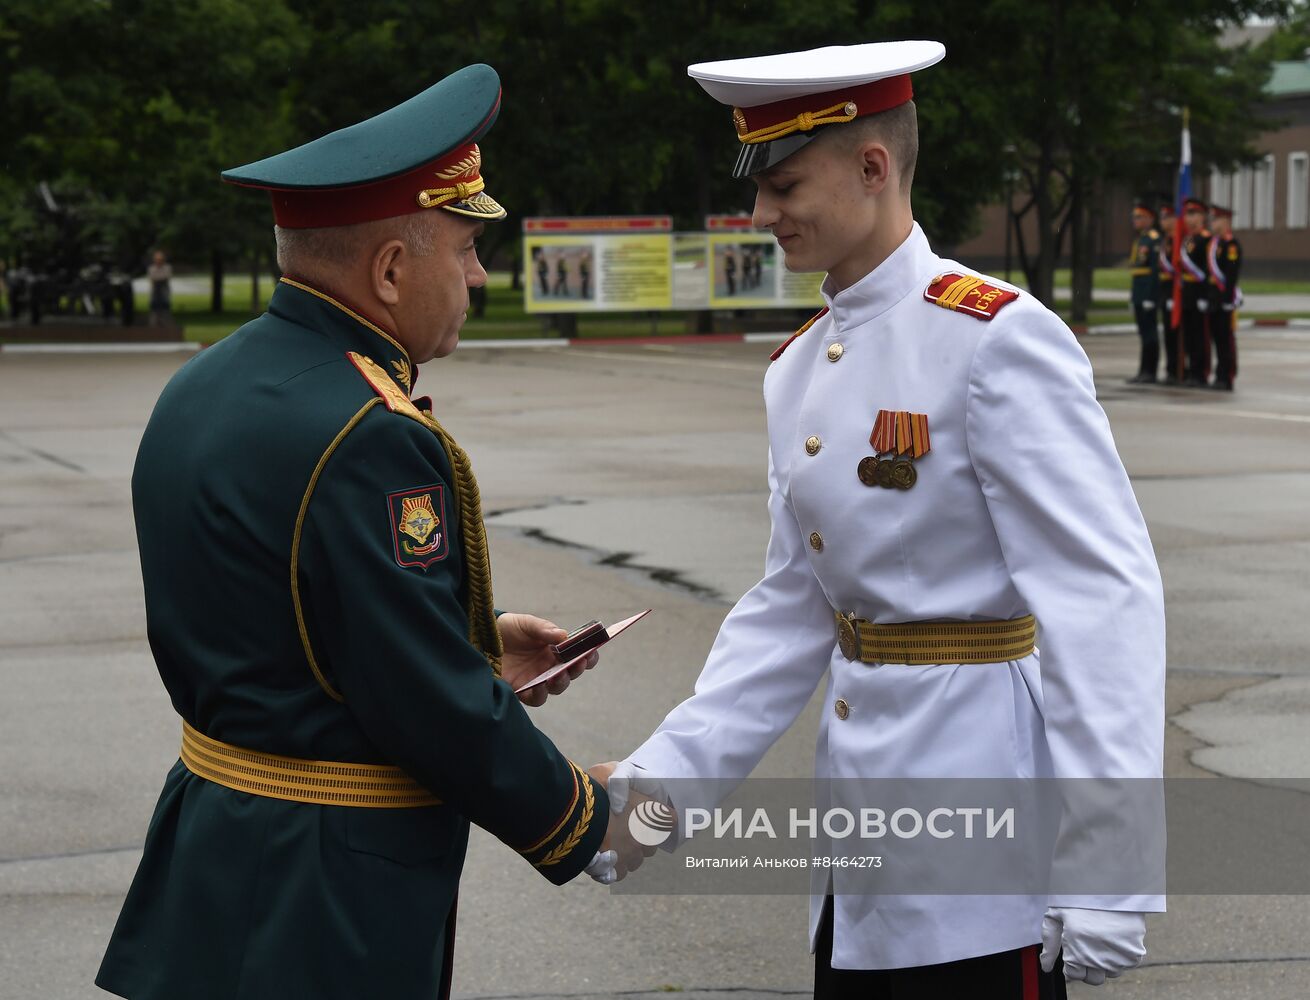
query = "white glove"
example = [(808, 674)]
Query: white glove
[(1148, 305), (627, 778), (1098, 944), (1201, 304), (602, 867)]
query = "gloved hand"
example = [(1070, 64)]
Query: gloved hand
[(1201, 304), (602, 867), (1228, 307), (627, 778), (1098, 944), (1148, 305)]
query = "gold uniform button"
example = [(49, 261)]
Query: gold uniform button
[(835, 351), (842, 709), (812, 445), (816, 541)]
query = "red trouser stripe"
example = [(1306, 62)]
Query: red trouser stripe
[(1029, 962)]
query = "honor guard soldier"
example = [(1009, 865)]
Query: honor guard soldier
[(1224, 262), (942, 483), (1174, 364), (318, 602), (1146, 291), (1193, 265)]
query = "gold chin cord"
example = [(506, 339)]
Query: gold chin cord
[(483, 632)]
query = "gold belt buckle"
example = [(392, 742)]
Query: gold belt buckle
[(848, 635)]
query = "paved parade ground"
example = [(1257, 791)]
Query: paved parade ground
[(618, 478)]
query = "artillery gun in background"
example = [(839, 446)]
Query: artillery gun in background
[(58, 271)]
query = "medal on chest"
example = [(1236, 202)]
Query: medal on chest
[(898, 439)]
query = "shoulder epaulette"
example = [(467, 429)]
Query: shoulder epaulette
[(808, 323), (395, 400), (968, 293)]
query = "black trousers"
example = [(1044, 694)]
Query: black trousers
[(1196, 333), (1222, 329), (1148, 328), (1009, 975)]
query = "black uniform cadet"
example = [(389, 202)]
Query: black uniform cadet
[(318, 602), (1224, 261), (1193, 265), (1146, 291)]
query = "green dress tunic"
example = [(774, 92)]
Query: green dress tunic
[(306, 594)]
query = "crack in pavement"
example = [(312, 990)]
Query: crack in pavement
[(623, 560)]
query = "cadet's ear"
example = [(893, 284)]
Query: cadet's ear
[(876, 166), (386, 271)]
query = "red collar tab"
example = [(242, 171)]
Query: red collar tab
[(767, 122)]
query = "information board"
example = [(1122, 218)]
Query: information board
[(642, 271)]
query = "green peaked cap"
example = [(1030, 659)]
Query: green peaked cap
[(346, 170)]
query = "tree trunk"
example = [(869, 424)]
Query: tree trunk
[(255, 304), (1082, 255), (216, 281)]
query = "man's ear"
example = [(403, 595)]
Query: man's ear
[(876, 166), (387, 271)]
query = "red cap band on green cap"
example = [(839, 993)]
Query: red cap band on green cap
[(454, 177)]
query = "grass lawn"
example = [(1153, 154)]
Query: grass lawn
[(505, 319)]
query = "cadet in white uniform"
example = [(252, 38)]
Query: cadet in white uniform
[(936, 455)]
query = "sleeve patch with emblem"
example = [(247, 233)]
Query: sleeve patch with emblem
[(418, 527), (968, 294)]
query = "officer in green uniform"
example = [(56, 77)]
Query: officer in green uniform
[(318, 601), (1146, 291)]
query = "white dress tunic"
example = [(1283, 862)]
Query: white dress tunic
[(1021, 506)]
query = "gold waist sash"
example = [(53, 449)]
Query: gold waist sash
[(925, 643), (320, 782)]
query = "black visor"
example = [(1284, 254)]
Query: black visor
[(757, 156)]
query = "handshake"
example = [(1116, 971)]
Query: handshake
[(620, 852)]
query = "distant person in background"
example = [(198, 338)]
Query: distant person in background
[(543, 271), (1192, 263), (1146, 291), (584, 274), (1173, 355), (730, 270), (160, 273), (561, 277), (1225, 263)]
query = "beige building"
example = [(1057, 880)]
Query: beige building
[(1270, 199)]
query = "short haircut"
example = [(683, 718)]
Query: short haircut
[(307, 251), (896, 128)]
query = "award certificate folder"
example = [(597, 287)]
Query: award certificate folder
[(613, 632)]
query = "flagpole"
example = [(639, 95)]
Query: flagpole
[(1184, 190)]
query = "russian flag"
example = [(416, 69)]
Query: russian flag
[(1184, 192)]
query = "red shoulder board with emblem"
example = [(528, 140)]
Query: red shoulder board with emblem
[(808, 323), (967, 293)]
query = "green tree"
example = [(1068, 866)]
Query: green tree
[(129, 107), (1086, 95)]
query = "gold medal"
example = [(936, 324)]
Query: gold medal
[(866, 470), (883, 473), (903, 476)]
